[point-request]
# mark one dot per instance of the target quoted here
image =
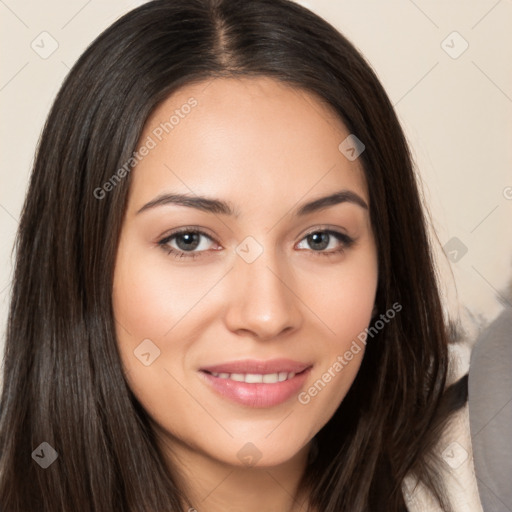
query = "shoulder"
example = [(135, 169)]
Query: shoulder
[(455, 448), (457, 473), (490, 411)]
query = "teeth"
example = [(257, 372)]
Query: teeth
[(254, 378)]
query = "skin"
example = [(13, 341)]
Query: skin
[(266, 148)]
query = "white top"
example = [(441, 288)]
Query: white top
[(460, 477), (456, 451)]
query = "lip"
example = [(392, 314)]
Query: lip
[(257, 395), (255, 366)]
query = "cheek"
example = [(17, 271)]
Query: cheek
[(146, 306), (355, 305), (157, 301), (150, 304), (344, 304), (149, 298), (344, 299)]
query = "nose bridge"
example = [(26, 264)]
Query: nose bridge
[(264, 302)]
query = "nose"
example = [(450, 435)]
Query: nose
[(264, 302)]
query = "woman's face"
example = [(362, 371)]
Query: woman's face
[(212, 326)]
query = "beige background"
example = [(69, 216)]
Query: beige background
[(456, 111)]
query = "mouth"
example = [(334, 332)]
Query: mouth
[(256, 378), (259, 384)]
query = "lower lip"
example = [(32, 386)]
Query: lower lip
[(258, 395)]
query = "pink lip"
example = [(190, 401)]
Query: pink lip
[(257, 395), (254, 366)]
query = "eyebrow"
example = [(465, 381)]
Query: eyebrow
[(218, 206)]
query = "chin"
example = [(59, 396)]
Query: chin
[(260, 454)]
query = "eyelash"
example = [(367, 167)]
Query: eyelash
[(345, 240)]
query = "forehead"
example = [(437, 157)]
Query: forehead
[(241, 137)]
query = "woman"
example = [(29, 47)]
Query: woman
[(223, 288)]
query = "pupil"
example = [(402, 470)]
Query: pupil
[(321, 239), (191, 241)]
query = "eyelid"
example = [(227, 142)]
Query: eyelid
[(164, 240), (187, 229), (325, 227), (339, 233), (343, 238)]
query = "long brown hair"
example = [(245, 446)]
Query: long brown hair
[(63, 380)]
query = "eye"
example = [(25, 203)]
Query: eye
[(186, 243), (320, 240), (192, 242)]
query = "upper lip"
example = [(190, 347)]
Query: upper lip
[(258, 367)]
